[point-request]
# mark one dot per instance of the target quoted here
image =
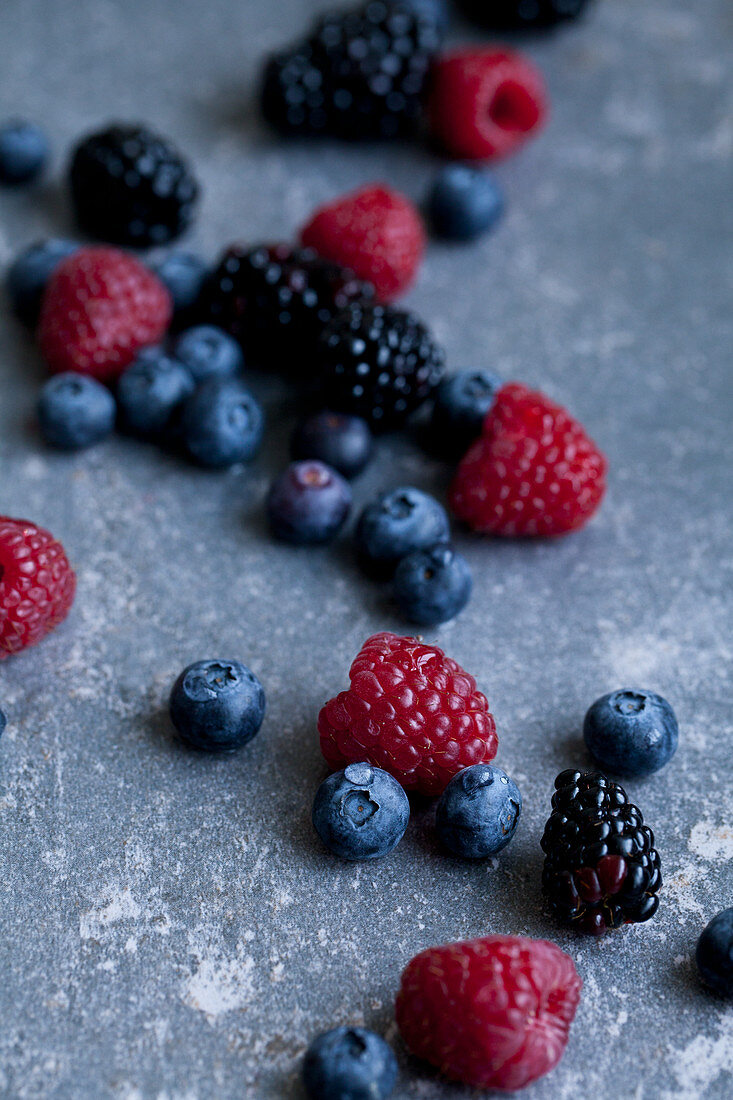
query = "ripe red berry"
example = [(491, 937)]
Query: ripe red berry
[(100, 307), (534, 471), (37, 584), (485, 102), (410, 710), (493, 1013), (376, 232)]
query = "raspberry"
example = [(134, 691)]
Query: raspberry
[(131, 186), (275, 300), (378, 362), (37, 584), (376, 232), (359, 75), (485, 102), (534, 471), (100, 307), (410, 710), (493, 1012), (601, 867)]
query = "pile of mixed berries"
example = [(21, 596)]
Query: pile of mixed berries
[(163, 350)]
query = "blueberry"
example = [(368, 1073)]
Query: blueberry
[(222, 423), (30, 271), (360, 812), (349, 1063), (24, 151), (464, 202), (208, 352), (478, 812), (75, 411), (342, 441), (217, 705), (308, 503), (459, 410), (395, 524), (432, 586), (714, 954), (3, 722), (183, 273), (150, 391), (432, 11), (631, 732)]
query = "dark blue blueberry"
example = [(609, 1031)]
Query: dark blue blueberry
[(432, 11), (75, 411), (714, 955), (631, 732), (360, 812), (217, 705), (308, 503), (349, 1063), (150, 391), (24, 150), (30, 271), (342, 441), (464, 202), (208, 352), (395, 524), (432, 586), (460, 407), (222, 423), (478, 812), (183, 273), (3, 722)]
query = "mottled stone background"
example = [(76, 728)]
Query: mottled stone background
[(170, 927)]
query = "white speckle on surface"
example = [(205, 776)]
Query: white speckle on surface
[(706, 1058), (219, 984), (710, 841), (118, 906)]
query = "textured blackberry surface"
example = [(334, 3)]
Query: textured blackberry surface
[(522, 13), (360, 74), (131, 186), (276, 299), (378, 362), (601, 867)]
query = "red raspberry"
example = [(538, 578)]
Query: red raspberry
[(485, 102), (37, 584), (411, 711), (534, 471), (100, 307), (493, 1013), (376, 232)]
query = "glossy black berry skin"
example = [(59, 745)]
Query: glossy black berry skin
[(131, 187), (601, 867), (349, 1063), (359, 75), (378, 362), (341, 441), (522, 14), (217, 705), (276, 299), (714, 954), (308, 503)]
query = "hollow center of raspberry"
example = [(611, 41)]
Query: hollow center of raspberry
[(514, 108), (358, 807)]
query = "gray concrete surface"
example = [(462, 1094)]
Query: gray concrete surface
[(170, 927)]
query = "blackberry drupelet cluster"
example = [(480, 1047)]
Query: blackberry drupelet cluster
[(378, 362), (601, 867), (130, 186), (276, 299), (522, 13), (359, 75)]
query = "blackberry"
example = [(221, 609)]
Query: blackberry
[(522, 13), (275, 300), (601, 867), (131, 186), (359, 75), (378, 362)]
